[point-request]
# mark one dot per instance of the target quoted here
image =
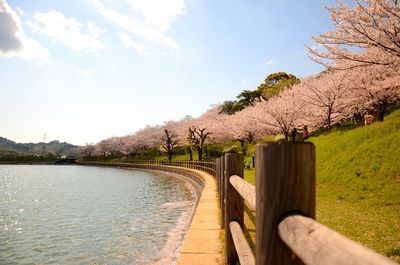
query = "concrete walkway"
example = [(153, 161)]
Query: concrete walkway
[(202, 244)]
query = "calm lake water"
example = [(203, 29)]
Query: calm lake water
[(91, 215)]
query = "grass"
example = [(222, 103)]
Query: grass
[(358, 184)]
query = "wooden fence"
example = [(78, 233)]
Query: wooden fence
[(206, 166), (284, 201)]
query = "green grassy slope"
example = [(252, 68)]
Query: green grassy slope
[(358, 184)]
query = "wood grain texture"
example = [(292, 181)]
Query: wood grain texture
[(222, 192), (234, 204), (218, 175), (315, 244), (285, 183), (243, 249), (245, 189)]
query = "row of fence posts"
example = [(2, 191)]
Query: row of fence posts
[(206, 166), (284, 201)]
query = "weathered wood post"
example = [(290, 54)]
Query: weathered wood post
[(234, 206), (222, 192), (218, 174), (285, 184)]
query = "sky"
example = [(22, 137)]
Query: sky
[(84, 70)]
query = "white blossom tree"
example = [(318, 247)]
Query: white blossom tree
[(372, 25), (170, 138), (281, 113), (326, 98), (375, 88)]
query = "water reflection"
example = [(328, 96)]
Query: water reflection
[(90, 215)]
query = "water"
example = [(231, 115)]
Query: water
[(91, 215)]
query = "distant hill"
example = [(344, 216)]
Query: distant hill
[(10, 148)]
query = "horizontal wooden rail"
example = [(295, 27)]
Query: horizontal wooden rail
[(315, 244), (242, 247), (206, 166), (284, 200), (245, 189)]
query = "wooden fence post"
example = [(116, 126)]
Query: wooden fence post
[(222, 192), (285, 183), (218, 174), (234, 206)]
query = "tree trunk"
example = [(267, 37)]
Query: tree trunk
[(381, 110), (328, 121), (170, 156), (200, 152), (190, 154)]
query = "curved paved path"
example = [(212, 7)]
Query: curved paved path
[(202, 244)]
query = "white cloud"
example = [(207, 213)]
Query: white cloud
[(150, 19), (68, 31), (159, 13), (82, 72), (244, 81), (129, 43), (13, 41), (269, 62), (20, 11)]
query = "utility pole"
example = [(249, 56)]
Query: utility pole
[(44, 145)]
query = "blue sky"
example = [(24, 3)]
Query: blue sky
[(81, 71)]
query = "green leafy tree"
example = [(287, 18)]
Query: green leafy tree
[(244, 99), (230, 107), (248, 98), (275, 83)]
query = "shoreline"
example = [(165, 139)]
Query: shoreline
[(32, 162), (202, 242)]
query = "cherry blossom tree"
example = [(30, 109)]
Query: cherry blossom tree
[(170, 138), (87, 150), (181, 128), (325, 96), (148, 137), (208, 127), (130, 145), (198, 137), (242, 126), (170, 143), (281, 113), (375, 88), (370, 24)]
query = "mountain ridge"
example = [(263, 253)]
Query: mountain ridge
[(9, 148)]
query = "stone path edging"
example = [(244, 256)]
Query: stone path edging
[(202, 244)]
